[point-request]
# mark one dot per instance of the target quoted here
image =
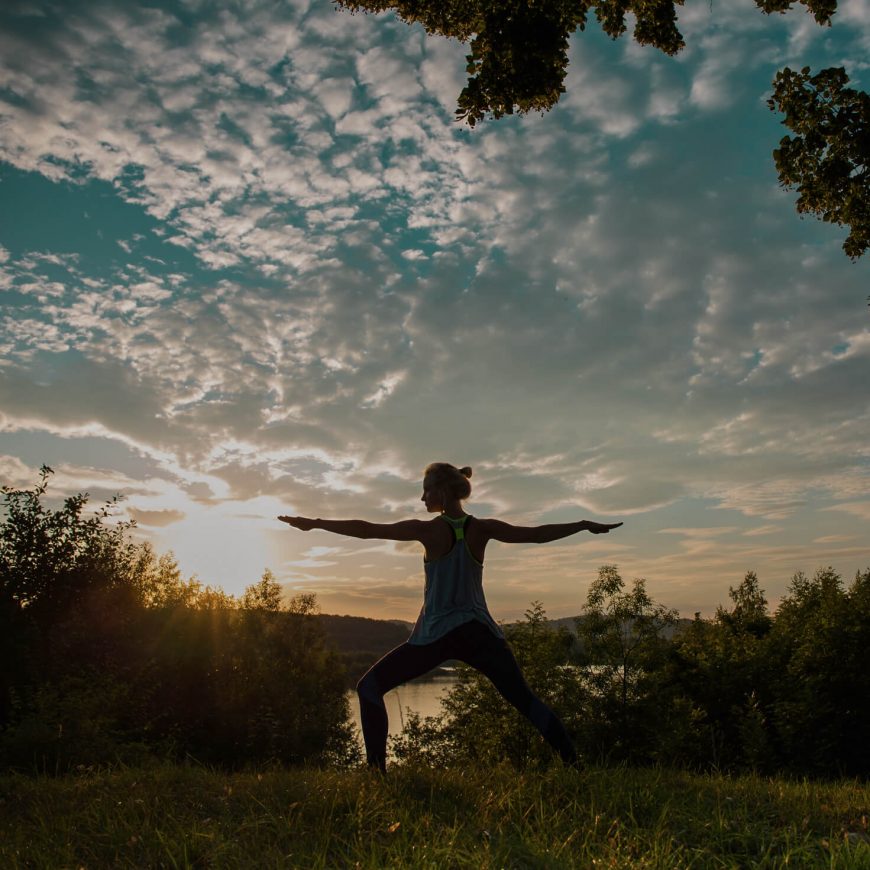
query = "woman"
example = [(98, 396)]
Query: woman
[(454, 622)]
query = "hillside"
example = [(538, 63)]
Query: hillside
[(358, 633), (361, 641), (570, 622)]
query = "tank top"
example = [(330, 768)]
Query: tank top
[(453, 594)]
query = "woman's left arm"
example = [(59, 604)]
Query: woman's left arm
[(510, 534), (405, 530)]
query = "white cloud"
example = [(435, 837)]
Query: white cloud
[(762, 530), (704, 532), (441, 71), (388, 75), (857, 508), (385, 389), (336, 95), (612, 302), (158, 518)]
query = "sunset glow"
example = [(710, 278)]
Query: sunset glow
[(251, 265)]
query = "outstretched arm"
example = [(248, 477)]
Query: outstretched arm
[(406, 530), (509, 534)]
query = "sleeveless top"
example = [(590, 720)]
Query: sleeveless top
[(453, 594)]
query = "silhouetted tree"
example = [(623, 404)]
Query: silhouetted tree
[(52, 562), (158, 579), (519, 48), (518, 60), (621, 634), (723, 669), (828, 158), (479, 727), (109, 654), (749, 613), (265, 595), (819, 643), (50, 558)]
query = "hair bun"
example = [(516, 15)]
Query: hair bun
[(465, 471)]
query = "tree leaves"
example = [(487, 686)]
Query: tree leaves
[(518, 61), (828, 160), (519, 48), (107, 653)]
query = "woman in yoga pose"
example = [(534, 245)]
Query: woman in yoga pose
[(454, 622)]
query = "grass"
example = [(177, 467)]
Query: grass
[(187, 816)]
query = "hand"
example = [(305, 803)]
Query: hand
[(304, 524), (600, 528)]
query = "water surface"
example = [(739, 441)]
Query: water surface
[(420, 696)]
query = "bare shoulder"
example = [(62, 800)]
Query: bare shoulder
[(484, 524), (434, 535), (434, 527)]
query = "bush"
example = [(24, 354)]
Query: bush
[(109, 654), (478, 726)]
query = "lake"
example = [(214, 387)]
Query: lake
[(421, 696)]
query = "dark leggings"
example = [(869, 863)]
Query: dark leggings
[(472, 643)]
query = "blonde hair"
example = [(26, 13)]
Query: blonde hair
[(452, 480)]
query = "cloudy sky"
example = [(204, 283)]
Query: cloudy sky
[(249, 265)]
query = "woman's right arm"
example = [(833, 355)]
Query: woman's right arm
[(508, 534), (406, 530)]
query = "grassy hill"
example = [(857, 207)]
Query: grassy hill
[(187, 816)]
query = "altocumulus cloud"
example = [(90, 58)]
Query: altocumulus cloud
[(258, 254)]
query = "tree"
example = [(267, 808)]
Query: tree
[(722, 667), (50, 558), (265, 595), (828, 159), (621, 633), (750, 612), (158, 580), (107, 654), (819, 643), (479, 727), (518, 61), (519, 48)]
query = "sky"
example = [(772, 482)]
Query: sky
[(251, 265)]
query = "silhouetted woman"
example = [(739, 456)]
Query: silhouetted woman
[(454, 622)]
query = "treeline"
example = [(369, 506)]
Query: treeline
[(747, 690), (360, 641), (107, 654)]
